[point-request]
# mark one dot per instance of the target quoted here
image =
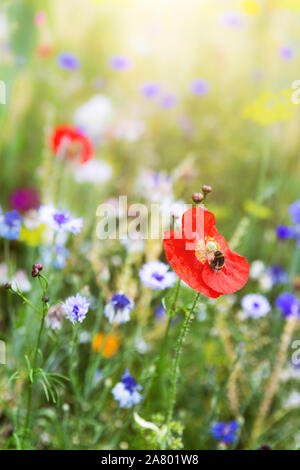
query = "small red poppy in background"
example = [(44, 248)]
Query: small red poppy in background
[(201, 257), (66, 141)]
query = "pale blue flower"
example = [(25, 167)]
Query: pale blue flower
[(156, 275), (68, 61), (59, 221), (126, 391), (10, 225), (256, 305), (76, 308), (118, 309)]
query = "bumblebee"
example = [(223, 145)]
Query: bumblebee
[(218, 261)]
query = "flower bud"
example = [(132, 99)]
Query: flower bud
[(35, 272), (197, 197), (37, 266), (46, 299), (206, 189)]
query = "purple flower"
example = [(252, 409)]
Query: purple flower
[(118, 309), (10, 225), (226, 432), (59, 221), (58, 255), (169, 101), (294, 211), (126, 391), (286, 52), (255, 305), (231, 19), (150, 90), (68, 61), (76, 308), (25, 199), (284, 232), (156, 275), (120, 62), (277, 274), (288, 304), (199, 87)]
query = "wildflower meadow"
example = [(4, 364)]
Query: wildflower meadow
[(149, 225)]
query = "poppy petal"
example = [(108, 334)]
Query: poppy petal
[(197, 222), (185, 264), (231, 278), (220, 239)]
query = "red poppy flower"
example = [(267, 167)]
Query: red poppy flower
[(201, 257), (71, 143)]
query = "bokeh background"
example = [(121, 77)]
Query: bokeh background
[(198, 90)]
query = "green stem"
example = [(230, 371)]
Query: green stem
[(167, 330), (29, 393), (175, 370), (7, 256)]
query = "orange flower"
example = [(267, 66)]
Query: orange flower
[(111, 345)]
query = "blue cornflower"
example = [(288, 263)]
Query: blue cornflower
[(226, 432), (125, 392), (62, 254), (156, 275), (120, 62), (255, 305), (76, 308), (150, 90), (284, 232), (277, 274), (60, 221), (10, 225), (160, 312), (294, 211), (199, 87), (68, 61), (118, 309), (288, 304)]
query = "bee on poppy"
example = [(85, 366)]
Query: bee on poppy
[(218, 261), (201, 257)]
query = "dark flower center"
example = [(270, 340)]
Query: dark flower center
[(158, 277), (75, 310), (129, 383), (60, 218), (120, 301), (256, 305)]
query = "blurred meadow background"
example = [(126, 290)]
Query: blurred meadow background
[(170, 95)]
